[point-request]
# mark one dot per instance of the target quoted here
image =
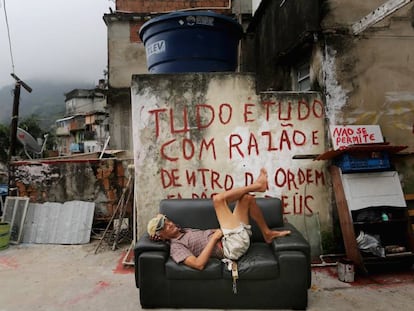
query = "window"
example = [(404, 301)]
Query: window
[(303, 77)]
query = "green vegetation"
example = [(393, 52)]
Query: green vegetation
[(4, 142), (30, 125), (38, 111)]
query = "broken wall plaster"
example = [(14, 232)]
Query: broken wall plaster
[(336, 96), (36, 173), (96, 181)]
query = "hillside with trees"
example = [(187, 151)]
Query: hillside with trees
[(45, 104), (38, 111)]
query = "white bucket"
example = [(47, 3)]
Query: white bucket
[(346, 271)]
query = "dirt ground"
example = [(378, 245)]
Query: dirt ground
[(73, 277)]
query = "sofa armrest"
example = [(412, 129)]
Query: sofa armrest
[(154, 249), (150, 278), (293, 243), (145, 244)]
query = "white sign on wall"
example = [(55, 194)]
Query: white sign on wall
[(346, 135)]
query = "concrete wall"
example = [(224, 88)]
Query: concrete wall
[(199, 134), (99, 181), (365, 78), (368, 77), (255, 5), (120, 119), (125, 57), (81, 101)]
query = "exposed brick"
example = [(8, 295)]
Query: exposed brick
[(106, 184), (105, 170), (122, 181), (111, 208), (120, 170), (60, 181), (111, 195), (134, 28), (21, 189), (148, 6), (164, 6)]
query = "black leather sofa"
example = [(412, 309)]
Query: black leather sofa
[(271, 276)]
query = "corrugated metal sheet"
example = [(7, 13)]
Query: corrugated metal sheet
[(57, 223)]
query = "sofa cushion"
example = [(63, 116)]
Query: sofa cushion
[(190, 213), (213, 270), (259, 263)]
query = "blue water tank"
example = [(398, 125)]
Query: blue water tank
[(191, 41)]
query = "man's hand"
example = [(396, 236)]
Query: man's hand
[(217, 235)]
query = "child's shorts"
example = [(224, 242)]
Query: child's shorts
[(236, 241)]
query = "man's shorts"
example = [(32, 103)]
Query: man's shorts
[(236, 241)]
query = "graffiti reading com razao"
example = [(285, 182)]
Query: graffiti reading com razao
[(282, 136)]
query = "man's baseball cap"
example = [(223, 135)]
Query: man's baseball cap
[(156, 224)]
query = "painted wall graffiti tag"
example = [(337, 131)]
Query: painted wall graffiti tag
[(206, 116), (214, 181), (222, 133)]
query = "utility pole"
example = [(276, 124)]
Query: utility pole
[(13, 128)]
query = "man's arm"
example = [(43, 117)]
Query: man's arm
[(200, 262)]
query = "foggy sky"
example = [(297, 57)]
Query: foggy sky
[(54, 39)]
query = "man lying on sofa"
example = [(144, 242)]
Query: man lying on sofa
[(194, 247)]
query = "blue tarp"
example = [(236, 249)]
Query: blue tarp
[(3, 189)]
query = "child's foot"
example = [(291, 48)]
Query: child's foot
[(261, 181), (275, 234)]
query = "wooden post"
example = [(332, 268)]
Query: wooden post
[(345, 220), (14, 121), (13, 129)]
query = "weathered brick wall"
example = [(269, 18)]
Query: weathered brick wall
[(100, 181), (163, 6), (133, 31), (147, 6)]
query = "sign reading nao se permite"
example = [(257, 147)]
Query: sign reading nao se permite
[(345, 135)]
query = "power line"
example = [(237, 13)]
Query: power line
[(8, 34)]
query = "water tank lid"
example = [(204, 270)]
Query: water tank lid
[(180, 14)]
